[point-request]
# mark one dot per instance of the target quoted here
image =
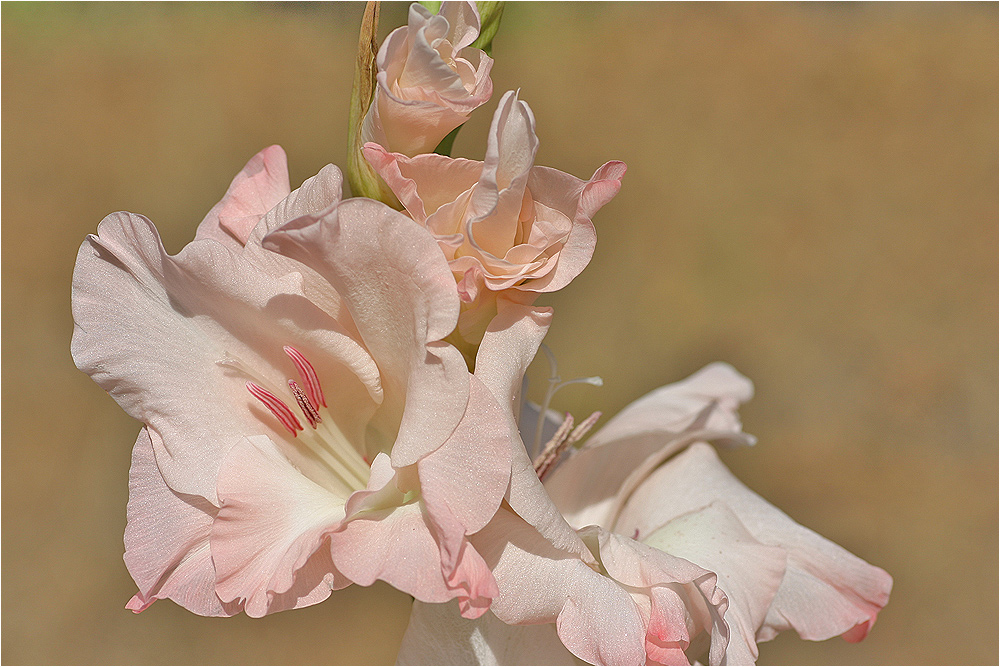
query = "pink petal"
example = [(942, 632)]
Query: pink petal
[(261, 184), (166, 540), (463, 482), (525, 228), (402, 297), (587, 487), (423, 183), (749, 572), (596, 619), (449, 516), (678, 590), (157, 363), (463, 22), (673, 408), (438, 635), (267, 540), (317, 195), (509, 345), (495, 208), (419, 99), (825, 591), (186, 314), (579, 201), (425, 71), (395, 544)]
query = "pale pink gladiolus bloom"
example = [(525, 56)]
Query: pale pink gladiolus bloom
[(305, 427), (429, 79), (504, 224), (678, 558)]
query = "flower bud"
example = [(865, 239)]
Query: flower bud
[(429, 79)]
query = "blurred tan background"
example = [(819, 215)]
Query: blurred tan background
[(811, 196)]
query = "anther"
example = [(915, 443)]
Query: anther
[(277, 407), (309, 378), (545, 462), (308, 409), (583, 428)]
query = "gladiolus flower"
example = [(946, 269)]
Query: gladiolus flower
[(429, 79), (679, 559), (305, 427), (505, 225)]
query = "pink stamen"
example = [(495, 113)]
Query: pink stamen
[(309, 378), (277, 407), (308, 409)]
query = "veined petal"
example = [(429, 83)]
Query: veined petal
[(402, 298), (466, 477), (396, 545), (589, 487), (579, 201), (164, 362), (261, 184), (166, 540), (271, 524), (679, 592), (825, 590), (438, 635), (596, 619), (509, 345), (749, 572)]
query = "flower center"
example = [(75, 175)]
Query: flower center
[(322, 437)]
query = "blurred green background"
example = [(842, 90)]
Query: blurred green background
[(811, 196)]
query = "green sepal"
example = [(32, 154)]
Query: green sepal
[(490, 13), (363, 179), (444, 148)]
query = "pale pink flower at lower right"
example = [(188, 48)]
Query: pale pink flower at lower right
[(688, 562)]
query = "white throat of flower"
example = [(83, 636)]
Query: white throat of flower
[(322, 437)]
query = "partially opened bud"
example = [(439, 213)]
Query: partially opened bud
[(429, 79), (506, 226)]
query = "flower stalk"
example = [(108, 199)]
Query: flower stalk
[(362, 178)]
